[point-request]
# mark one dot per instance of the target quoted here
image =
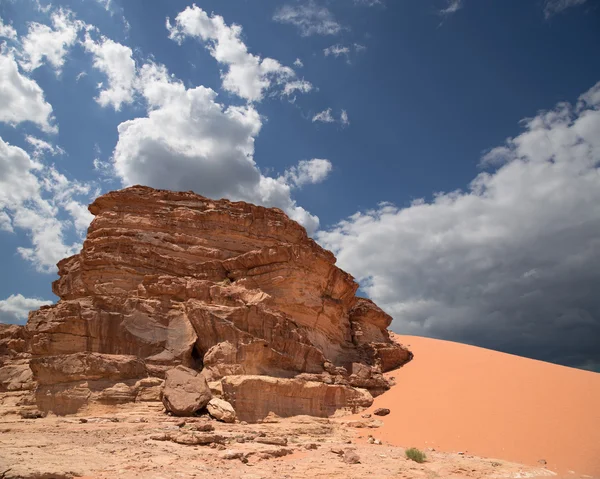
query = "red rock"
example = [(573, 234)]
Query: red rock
[(172, 278)]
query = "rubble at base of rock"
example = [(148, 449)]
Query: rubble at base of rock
[(238, 294)]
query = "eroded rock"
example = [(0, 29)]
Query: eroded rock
[(168, 279)]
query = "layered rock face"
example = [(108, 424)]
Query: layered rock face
[(227, 289)]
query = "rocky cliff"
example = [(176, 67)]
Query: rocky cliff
[(226, 288)]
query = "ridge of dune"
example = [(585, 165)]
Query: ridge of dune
[(456, 397)]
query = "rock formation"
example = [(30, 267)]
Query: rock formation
[(234, 291)]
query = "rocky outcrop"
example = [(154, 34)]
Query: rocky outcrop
[(254, 397), (228, 289)]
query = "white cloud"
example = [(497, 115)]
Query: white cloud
[(308, 172), (324, 116), (552, 7), (452, 6), (42, 147), (292, 87), (116, 62), (248, 76), (345, 51), (52, 44), (7, 31), (513, 263), (344, 120), (188, 141), (32, 197), (21, 98), (298, 63), (368, 3), (16, 307), (309, 18), (336, 51)]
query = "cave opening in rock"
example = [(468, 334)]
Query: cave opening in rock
[(196, 358)]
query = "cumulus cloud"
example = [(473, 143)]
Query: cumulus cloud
[(513, 263), (309, 18), (116, 62), (50, 43), (32, 198), (16, 307), (248, 76), (298, 63), (21, 98), (308, 172), (189, 141), (552, 7), (7, 31)]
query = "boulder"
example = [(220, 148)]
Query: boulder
[(185, 391), (221, 410)]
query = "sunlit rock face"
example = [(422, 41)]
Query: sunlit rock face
[(226, 288)]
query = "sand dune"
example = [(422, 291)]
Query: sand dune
[(455, 397)]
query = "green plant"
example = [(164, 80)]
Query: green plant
[(415, 455)]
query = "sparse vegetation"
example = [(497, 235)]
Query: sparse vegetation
[(415, 455)]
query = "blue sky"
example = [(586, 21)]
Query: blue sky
[(446, 151)]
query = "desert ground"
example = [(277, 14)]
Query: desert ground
[(135, 441)]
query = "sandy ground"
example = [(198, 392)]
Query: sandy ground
[(454, 397), (127, 444)]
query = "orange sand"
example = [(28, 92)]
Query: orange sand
[(455, 397)]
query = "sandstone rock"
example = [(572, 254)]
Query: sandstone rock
[(168, 279), (185, 391), (189, 438), (280, 452), (381, 411), (221, 410), (350, 457), (254, 397), (275, 441), (85, 365)]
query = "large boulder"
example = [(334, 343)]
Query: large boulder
[(185, 391)]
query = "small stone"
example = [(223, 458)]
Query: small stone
[(350, 457), (274, 441), (83, 420), (366, 416), (542, 462), (382, 411)]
